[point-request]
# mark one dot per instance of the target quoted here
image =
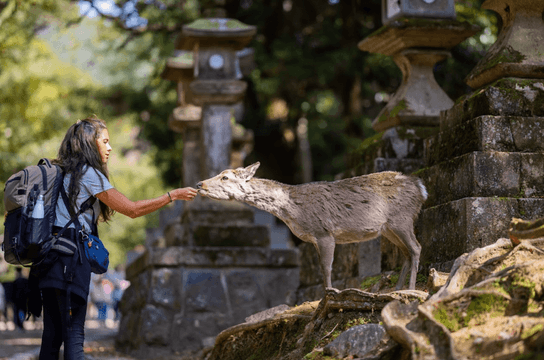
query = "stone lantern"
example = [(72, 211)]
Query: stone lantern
[(519, 49), (185, 118), (219, 267), (416, 45), (217, 86)]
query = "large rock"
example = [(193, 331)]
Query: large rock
[(489, 308), (359, 341)]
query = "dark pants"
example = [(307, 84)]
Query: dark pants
[(57, 329)]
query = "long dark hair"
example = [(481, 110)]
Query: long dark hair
[(79, 149)]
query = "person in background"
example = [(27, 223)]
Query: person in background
[(100, 297), (119, 283), (20, 296), (83, 156), (2, 302)]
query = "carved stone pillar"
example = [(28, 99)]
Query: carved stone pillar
[(416, 46), (519, 49)]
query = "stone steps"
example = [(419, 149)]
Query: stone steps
[(451, 229), (486, 133), (485, 174), (505, 97)]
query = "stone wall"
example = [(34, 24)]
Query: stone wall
[(180, 298), (485, 166)]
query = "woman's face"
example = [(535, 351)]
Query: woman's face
[(103, 143)]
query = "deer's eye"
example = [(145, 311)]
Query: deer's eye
[(224, 178)]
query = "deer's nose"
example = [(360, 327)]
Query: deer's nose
[(199, 185)]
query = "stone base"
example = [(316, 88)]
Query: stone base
[(231, 235), (212, 257), (485, 174), (504, 97), (181, 298), (396, 149), (486, 133), (449, 230), (216, 212)]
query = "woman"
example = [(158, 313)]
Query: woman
[(83, 155)]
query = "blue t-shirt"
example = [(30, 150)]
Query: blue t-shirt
[(92, 182)]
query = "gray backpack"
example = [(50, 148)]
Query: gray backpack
[(27, 240)]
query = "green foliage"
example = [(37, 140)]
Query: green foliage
[(42, 96)]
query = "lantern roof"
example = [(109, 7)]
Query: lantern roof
[(223, 32)]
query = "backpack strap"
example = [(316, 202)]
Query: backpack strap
[(74, 217), (69, 273)]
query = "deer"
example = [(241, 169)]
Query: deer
[(327, 213)]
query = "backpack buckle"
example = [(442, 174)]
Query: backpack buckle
[(84, 236)]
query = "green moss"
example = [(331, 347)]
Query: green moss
[(485, 304), (498, 286), (356, 322), (519, 281), (183, 58), (452, 321), (506, 55), (414, 22), (479, 307), (368, 143), (370, 281), (525, 356), (394, 112), (214, 24), (506, 85), (420, 172), (310, 356), (379, 31), (530, 332), (499, 198)]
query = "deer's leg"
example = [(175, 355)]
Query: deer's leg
[(410, 248), (415, 250), (325, 249)]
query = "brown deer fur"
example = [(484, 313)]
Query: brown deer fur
[(338, 212)]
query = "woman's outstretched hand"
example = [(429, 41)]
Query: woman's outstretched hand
[(186, 194)]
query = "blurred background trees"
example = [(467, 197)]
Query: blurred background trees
[(62, 60)]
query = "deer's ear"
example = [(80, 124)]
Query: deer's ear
[(251, 169)]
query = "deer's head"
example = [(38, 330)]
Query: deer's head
[(229, 184)]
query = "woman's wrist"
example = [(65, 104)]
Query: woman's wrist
[(169, 196)]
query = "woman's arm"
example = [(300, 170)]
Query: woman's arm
[(133, 209)]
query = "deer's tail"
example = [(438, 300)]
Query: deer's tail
[(423, 190)]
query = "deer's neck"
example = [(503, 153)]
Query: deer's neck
[(268, 195)]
